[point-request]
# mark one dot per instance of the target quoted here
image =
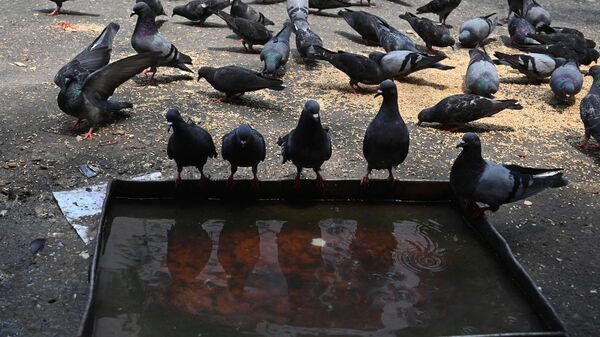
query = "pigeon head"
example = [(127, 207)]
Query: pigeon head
[(179, 10), (311, 111), (447, 41), (426, 115), (173, 118), (142, 9), (594, 55), (387, 88), (204, 72), (376, 56), (594, 72), (470, 140), (244, 134), (272, 61), (466, 38)]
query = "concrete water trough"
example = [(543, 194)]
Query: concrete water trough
[(390, 260)]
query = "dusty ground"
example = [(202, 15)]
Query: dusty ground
[(556, 237)]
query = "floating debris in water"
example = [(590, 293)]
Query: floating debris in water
[(318, 242)]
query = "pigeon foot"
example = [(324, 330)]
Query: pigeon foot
[(88, 134), (204, 179), (217, 99), (364, 182), (76, 124), (230, 182), (178, 181), (320, 181), (54, 12), (297, 183)]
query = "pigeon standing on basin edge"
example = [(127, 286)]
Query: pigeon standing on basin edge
[(386, 140), (243, 147), (474, 179)]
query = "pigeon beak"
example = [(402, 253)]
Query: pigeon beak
[(316, 116), (461, 144), (243, 142), (132, 14), (169, 126), (419, 123), (379, 93)]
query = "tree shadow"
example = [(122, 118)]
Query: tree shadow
[(65, 12), (161, 79), (238, 50), (421, 81), (200, 24)]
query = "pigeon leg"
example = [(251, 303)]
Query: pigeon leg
[(230, 179), (55, 11), (320, 180), (586, 141), (364, 182), (152, 80), (76, 124), (203, 178), (354, 87), (144, 72), (391, 176), (369, 4), (88, 134), (255, 181), (297, 183), (217, 99), (178, 179)]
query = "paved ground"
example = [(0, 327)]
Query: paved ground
[(556, 238)]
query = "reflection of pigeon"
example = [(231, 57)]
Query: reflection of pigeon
[(234, 81), (189, 145), (474, 179), (434, 35), (535, 66), (473, 32), (199, 10), (386, 140), (442, 8), (566, 81), (457, 110), (243, 147), (482, 76), (590, 109), (400, 63), (251, 31), (241, 10), (308, 145), (276, 52)]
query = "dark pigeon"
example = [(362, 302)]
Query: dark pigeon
[(519, 30), (482, 77), (234, 81), (365, 24), (328, 4), (243, 147), (386, 140), (589, 110), (155, 5), (199, 10), (535, 66), (561, 30), (401, 63), (566, 81), (308, 145), (276, 52), (306, 41), (85, 95), (59, 4), (189, 145), (474, 32), (434, 35), (457, 110), (474, 179), (536, 14), (392, 39), (442, 8), (583, 55), (241, 10), (359, 68), (146, 38), (250, 31), (514, 6)]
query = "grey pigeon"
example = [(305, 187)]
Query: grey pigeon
[(482, 77), (400, 63), (386, 140), (514, 6), (457, 110), (241, 10), (519, 30), (589, 110), (442, 8), (146, 38), (432, 33), (155, 5), (535, 66), (59, 4), (308, 145), (328, 4), (365, 24), (473, 32), (306, 41), (474, 179), (566, 81), (85, 95), (250, 31), (234, 81), (189, 145), (536, 14), (243, 147), (297, 10), (276, 52), (359, 68), (199, 10), (392, 39)]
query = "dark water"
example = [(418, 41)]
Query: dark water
[(331, 269)]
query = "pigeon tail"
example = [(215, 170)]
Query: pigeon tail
[(423, 9), (183, 67), (118, 106), (322, 53), (512, 104), (441, 66)]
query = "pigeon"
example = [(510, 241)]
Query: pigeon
[(328, 4), (306, 41), (189, 145), (474, 179), (234, 81), (308, 145), (276, 52), (243, 147), (297, 10), (536, 14), (473, 32), (457, 110), (589, 110), (85, 95), (386, 140), (566, 81), (392, 39), (514, 6), (400, 63), (241, 10), (581, 55), (199, 10), (519, 30), (146, 38), (564, 30), (442, 8), (482, 77), (535, 66), (155, 5), (432, 33), (252, 32), (58, 3), (363, 23), (359, 68)]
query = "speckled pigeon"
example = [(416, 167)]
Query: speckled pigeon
[(400, 63), (189, 145), (566, 81), (240, 9), (308, 145), (535, 66), (442, 8), (252, 32), (392, 39), (199, 10), (243, 147), (386, 140), (482, 77), (473, 32), (589, 110), (474, 179), (306, 41), (234, 81), (434, 35), (276, 52)]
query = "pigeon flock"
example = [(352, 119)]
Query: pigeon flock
[(89, 80)]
